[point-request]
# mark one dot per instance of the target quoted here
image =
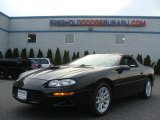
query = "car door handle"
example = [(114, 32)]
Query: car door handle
[(141, 73)]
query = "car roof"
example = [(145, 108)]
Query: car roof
[(38, 58), (119, 54)]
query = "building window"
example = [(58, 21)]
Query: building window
[(69, 38), (31, 38), (120, 39)]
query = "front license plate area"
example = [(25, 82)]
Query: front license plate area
[(22, 95)]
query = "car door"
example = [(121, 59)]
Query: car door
[(44, 63), (130, 81)]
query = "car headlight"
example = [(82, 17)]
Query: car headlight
[(65, 82)]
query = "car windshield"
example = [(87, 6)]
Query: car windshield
[(37, 61), (33, 62), (97, 60)]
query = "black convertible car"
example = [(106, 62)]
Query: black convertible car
[(94, 80)]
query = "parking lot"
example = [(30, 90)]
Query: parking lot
[(130, 108)]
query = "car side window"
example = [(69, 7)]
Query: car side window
[(128, 61), (44, 61)]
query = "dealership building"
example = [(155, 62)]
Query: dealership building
[(102, 34)]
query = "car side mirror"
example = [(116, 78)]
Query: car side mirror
[(122, 68)]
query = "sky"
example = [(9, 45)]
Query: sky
[(80, 7)]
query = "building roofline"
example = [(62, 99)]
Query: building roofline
[(81, 16), (4, 15), (41, 17)]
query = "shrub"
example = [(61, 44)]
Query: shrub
[(1, 55), (139, 58), (49, 55), (86, 53), (77, 56), (24, 53), (31, 53), (152, 65), (15, 53), (74, 56), (58, 60), (66, 58), (157, 68), (9, 54), (40, 54), (147, 61)]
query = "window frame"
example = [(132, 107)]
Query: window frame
[(73, 38), (130, 58), (124, 41), (31, 41)]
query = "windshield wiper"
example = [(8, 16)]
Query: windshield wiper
[(83, 65)]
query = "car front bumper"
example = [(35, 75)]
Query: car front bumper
[(43, 97)]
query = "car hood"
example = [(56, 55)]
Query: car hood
[(61, 72)]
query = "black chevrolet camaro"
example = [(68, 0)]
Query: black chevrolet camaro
[(94, 80)]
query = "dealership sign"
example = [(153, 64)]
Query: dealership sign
[(132, 23)]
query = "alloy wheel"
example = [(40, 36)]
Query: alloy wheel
[(102, 99), (148, 88)]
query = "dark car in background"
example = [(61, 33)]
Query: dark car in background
[(13, 67), (94, 80)]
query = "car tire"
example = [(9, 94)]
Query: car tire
[(4, 73), (101, 99), (147, 90)]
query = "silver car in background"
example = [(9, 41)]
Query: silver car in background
[(45, 62)]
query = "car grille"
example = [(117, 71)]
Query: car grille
[(33, 96)]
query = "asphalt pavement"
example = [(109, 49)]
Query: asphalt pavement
[(129, 108)]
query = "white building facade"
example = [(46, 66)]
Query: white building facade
[(102, 34)]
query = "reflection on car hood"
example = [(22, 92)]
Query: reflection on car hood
[(62, 72)]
